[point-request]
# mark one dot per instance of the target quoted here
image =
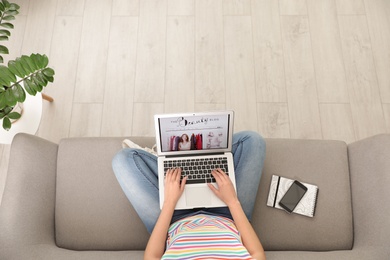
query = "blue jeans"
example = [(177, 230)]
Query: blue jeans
[(137, 174)]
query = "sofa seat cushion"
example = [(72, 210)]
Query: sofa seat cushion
[(91, 211), (324, 163)]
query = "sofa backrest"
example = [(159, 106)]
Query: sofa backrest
[(92, 212)]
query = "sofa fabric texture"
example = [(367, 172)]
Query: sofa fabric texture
[(63, 201), (92, 212), (323, 163)]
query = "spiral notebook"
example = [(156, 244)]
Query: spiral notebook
[(279, 186)]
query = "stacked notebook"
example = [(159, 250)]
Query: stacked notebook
[(280, 185)]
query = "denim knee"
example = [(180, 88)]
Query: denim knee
[(253, 138)]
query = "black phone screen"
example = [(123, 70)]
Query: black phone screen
[(293, 195)]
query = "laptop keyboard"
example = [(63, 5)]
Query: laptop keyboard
[(198, 170)]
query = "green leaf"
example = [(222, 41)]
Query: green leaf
[(10, 98), (6, 123), (42, 77), (1, 59), (2, 8), (30, 87), (19, 93), (2, 89), (7, 25), (23, 65), (14, 115), (6, 76), (3, 102), (12, 12), (19, 66), (31, 63), (37, 59), (15, 69), (3, 50), (5, 32), (50, 79), (3, 80), (6, 4), (48, 72), (3, 38), (9, 18), (14, 7), (38, 84), (42, 59)]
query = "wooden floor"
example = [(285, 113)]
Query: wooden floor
[(313, 69)]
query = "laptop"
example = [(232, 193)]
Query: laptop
[(197, 143)]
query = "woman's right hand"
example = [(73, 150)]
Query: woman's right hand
[(225, 190)]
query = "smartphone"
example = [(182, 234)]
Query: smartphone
[(292, 197)]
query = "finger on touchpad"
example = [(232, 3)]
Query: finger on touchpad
[(198, 196)]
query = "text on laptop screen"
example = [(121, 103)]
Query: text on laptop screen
[(185, 133)]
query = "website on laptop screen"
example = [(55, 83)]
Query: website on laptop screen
[(185, 133)]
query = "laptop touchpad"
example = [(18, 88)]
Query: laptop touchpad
[(198, 196)]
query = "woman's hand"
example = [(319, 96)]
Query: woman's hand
[(225, 191), (173, 186)]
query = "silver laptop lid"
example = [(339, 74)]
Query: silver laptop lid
[(194, 133)]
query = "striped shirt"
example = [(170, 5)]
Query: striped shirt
[(204, 237)]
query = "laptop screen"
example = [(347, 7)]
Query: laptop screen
[(191, 132)]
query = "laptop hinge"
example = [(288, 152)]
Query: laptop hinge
[(192, 155)]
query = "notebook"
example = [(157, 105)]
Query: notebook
[(197, 143), (279, 186)]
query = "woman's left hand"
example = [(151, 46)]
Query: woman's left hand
[(174, 188)]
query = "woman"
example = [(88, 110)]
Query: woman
[(184, 143), (211, 233)]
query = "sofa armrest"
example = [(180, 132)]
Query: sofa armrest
[(27, 209), (369, 161)]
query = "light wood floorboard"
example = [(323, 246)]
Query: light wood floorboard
[(120, 76), (293, 7), (327, 52), (93, 52), (70, 7), (150, 70), (209, 52), (181, 7), (143, 121), (268, 52), (239, 69), (350, 7), (180, 65), (300, 78), (314, 69), (273, 120), (39, 27), (125, 7), (237, 7), (337, 122), (378, 18), (56, 116), (362, 81)]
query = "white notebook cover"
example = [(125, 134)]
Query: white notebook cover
[(279, 186)]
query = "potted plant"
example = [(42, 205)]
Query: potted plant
[(24, 74)]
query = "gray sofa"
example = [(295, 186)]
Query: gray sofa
[(62, 201)]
